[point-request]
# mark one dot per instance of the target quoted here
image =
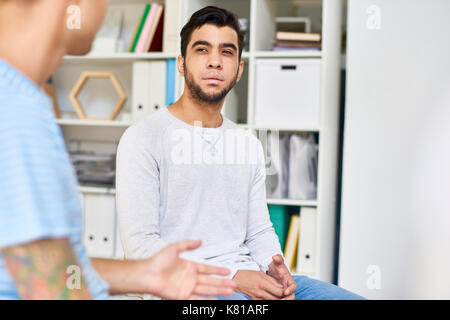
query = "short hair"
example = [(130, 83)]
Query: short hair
[(215, 16)]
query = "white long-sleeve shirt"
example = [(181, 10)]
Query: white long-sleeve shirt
[(179, 182)]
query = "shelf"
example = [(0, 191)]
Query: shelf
[(293, 202), (163, 55), (126, 56), (93, 123), (243, 125), (97, 190), (289, 54), (289, 202), (286, 129)]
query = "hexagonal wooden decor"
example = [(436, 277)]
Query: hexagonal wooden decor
[(102, 75)]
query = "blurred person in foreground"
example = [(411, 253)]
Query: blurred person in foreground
[(40, 213)]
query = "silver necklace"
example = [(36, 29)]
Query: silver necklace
[(212, 149)]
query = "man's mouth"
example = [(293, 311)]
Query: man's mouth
[(213, 79)]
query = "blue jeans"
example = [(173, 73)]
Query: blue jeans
[(310, 289)]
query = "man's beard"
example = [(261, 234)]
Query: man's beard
[(202, 96)]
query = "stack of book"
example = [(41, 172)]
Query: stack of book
[(148, 35), (93, 169), (297, 41)]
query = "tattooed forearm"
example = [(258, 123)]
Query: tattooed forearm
[(39, 269)]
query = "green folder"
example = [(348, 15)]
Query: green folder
[(280, 218), (141, 26)]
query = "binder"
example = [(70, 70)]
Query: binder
[(171, 26), (171, 78), (100, 224), (290, 251), (149, 88), (306, 259), (280, 221)]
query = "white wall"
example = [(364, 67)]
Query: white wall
[(395, 211)]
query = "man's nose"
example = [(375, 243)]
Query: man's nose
[(215, 61)]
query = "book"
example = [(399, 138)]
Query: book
[(152, 30), (297, 36), (299, 44), (171, 26), (139, 28), (290, 48), (157, 39), (290, 251), (146, 29), (133, 37)]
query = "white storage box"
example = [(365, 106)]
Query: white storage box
[(287, 93)]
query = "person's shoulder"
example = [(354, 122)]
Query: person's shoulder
[(239, 131), (147, 131), (24, 113)]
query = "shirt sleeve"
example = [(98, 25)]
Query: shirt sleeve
[(137, 197), (261, 238), (38, 195)]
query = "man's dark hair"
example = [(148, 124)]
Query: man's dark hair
[(211, 15)]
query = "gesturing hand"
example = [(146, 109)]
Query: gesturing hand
[(279, 271), (171, 277), (258, 285)]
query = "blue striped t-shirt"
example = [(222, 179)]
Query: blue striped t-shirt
[(38, 187)]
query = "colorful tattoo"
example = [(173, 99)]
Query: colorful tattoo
[(39, 270)]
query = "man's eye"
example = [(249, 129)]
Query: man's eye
[(228, 52), (200, 49)]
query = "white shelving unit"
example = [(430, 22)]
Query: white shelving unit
[(261, 15)]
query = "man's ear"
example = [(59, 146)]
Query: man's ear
[(180, 64), (240, 71)]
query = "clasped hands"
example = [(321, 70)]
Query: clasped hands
[(277, 284)]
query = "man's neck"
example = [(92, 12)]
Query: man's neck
[(191, 111), (26, 46)]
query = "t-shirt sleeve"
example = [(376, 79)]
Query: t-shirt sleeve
[(138, 196), (38, 195), (261, 238)]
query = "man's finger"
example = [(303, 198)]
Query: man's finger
[(267, 295), (211, 281), (207, 290), (289, 297), (198, 297), (290, 290), (274, 281), (275, 290), (277, 259), (207, 269)]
